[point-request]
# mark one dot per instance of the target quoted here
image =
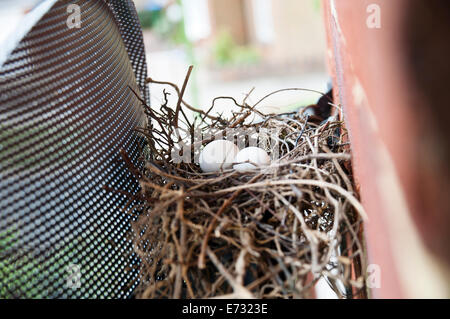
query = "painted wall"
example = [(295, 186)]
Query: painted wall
[(367, 59)]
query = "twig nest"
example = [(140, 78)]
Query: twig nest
[(248, 157), (218, 155)]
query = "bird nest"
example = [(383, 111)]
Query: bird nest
[(271, 232)]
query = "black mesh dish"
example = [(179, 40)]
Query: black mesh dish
[(65, 111)]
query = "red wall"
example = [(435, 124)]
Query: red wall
[(372, 84)]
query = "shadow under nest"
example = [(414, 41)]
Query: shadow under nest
[(271, 232)]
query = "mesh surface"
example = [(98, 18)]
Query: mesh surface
[(65, 111)]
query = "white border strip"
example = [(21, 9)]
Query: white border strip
[(26, 24)]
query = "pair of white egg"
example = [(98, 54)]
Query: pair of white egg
[(223, 154)]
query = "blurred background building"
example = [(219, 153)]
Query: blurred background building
[(236, 45)]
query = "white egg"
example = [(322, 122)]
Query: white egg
[(251, 155), (217, 155)]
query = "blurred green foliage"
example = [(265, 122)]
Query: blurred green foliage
[(158, 22), (316, 4), (148, 18), (9, 269), (227, 52), (25, 273)]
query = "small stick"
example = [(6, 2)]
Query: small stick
[(289, 89), (177, 89), (130, 164), (180, 97), (239, 290)]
